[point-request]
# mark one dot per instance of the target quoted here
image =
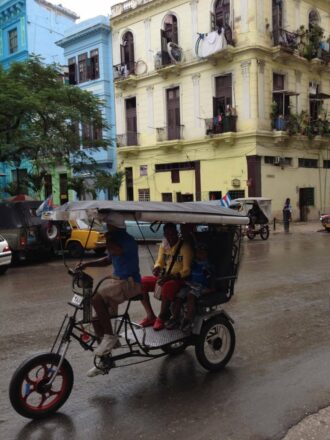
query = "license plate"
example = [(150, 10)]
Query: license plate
[(77, 300)]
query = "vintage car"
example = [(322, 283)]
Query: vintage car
[(325, 220), (5, 255), (76, 237)]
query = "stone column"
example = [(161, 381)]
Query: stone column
[(150, 109), (244, 13), (246, 99), (194, 23), (297, 13), (120, 117), (147, 36), (261, 89), (196, 96)]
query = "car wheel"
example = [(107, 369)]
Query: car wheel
[(3, 269), (75, 249)]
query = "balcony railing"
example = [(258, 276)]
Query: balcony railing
[(169, 133), (286, 39), (304, 125), (123, 71), (128, 139), (220, 124)]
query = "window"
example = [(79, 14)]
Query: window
[(220, 17), (236, 193), (174, 166), (173, 113), (13, 41), (223, 98), (315, 102), (19, 177), (72, 71), (94, 64), (64, 196), (82, 62), (167, 197), (90, 133), (326, 164), (277, 14), (129, 183), (175, 176), (215, 195), (276, 160), (280, 96), (168, 35), (313, 19), (131, 121), (144, 195), (48, 185), (307, 163), (127, 52), (143, 170)]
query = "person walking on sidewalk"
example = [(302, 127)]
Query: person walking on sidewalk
[(287, 214)]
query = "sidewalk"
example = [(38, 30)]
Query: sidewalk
[(312, 427), (298, 227)]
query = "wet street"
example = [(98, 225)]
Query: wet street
[(278, 374)]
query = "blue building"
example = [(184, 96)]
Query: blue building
[(88, 54), (30, 27)]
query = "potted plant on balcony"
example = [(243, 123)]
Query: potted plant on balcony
[(278, 122), (310, 41)]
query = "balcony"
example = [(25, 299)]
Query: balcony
[(128, 139), (302, 124), (220, 124), (170, 133), (124, 75), (285, 39)]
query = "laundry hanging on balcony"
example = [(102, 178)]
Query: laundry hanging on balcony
[(208, 44)]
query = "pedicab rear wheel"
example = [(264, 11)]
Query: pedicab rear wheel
[(216, 343), (30, 393), (250, 234), (264, 232)]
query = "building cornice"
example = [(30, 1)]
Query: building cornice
[(88, 32), (11, 9)]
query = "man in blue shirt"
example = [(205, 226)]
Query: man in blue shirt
[(123, 284)]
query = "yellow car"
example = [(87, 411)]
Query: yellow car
[(76, 233)]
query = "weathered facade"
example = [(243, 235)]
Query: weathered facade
[(209, 99)]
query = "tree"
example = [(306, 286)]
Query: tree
[(110, 183), (40, 117)]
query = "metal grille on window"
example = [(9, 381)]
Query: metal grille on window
[(144, 195)]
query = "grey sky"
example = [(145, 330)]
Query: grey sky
[(87, 9)]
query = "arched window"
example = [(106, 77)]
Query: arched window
[(168, 35), (171, 29), (127, 52), (313, 19)]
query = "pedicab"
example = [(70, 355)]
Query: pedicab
[(43, 383), (259, 211)]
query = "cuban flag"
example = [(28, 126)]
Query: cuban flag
[(46, 206), (225, 201)]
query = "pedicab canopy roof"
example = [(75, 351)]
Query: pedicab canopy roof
[(148, 211), (264, 204)]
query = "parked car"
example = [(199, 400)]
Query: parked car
[(5, 255), (144, 230), (76, 236), (325, 220), (25, 232)]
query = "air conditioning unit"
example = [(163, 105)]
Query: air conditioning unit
[(277, 160)]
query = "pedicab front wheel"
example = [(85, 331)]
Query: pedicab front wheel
[(31, 391), (216, 343), (264, 232)]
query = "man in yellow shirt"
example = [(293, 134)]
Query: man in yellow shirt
[(171, 282)]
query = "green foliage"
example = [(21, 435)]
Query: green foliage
[(111, 183), (39, 117), (310, 39)]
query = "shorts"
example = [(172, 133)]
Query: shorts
[(115, 292)]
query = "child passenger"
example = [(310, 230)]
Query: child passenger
[(199, 284)]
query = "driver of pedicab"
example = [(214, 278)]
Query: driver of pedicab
[(254, 214), (172, 267), (123, 284)]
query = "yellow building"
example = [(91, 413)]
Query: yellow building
[(223, 95)]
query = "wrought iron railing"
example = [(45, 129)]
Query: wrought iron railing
[(122, 71), (169, 133), (284, 38), (130, 138), (220, 124)]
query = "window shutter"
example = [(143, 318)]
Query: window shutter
[(212, 21), (122, 54), (165, 56), (131, 55)]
